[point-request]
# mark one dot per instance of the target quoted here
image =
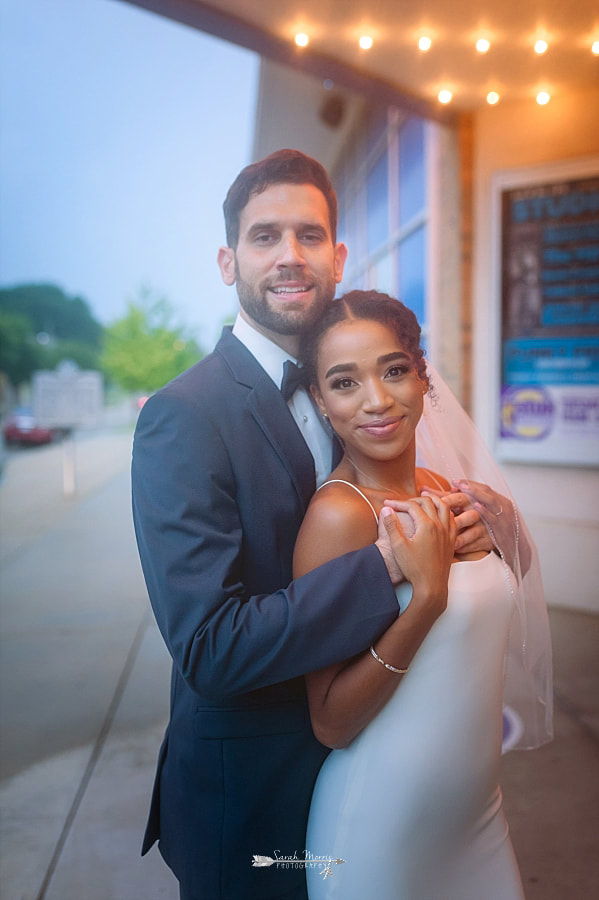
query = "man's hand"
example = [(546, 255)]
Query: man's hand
[(479, 511), (494, 510), (473, 535), (500, 518), (390, 536)]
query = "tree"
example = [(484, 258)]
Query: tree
[(143, 350), (40, 326), (53, 312), (19, 353)]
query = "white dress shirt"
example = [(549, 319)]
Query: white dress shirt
[(272, 358)]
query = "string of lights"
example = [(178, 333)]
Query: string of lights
[(482, 46)]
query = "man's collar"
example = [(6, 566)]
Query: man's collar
[(271, 357)]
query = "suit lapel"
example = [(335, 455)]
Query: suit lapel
[(337, 452), (272, 414)]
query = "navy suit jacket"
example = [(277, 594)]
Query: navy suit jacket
[(221, 482)]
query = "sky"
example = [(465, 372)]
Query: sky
[(120, 133)]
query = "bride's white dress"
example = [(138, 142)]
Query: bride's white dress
[(413, 805)]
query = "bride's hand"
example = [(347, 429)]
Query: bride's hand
[(425, 556), (498, 515)]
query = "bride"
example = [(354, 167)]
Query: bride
[(409, 799)]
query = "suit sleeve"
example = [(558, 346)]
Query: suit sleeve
[(223, 641)]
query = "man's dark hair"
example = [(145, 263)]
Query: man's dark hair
[(281, 167)]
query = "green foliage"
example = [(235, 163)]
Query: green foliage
[(19, 353), (85, 356), (53, 312), (40, 326), (143, 350)]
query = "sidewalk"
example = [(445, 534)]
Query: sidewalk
[(84, 681)]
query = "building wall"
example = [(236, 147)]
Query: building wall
[(561, 504), (298, 110), (400, 200), (450, 314)]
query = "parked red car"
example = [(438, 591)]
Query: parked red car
[(21, 428)]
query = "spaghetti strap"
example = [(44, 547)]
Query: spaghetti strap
[(436, 480), (349, 484)]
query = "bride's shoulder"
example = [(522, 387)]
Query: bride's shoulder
[(426, 478), (338, 499), (339, 520), (341, 503)]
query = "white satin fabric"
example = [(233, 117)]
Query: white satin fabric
[(413, 805)]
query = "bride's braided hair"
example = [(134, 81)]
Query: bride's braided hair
[(371, 306)]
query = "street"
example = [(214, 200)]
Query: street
[(84, 681)]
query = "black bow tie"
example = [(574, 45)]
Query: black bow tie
[(294, 377)]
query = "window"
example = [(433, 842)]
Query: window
[(412, 184), (381, 182), (377, 205), (411, 254)]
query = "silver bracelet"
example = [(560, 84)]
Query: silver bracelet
[(387, 665)]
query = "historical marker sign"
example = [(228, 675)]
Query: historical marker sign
[(68, 397)]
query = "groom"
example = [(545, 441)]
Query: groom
[(226, 458)]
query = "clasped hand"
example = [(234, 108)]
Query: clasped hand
[(483, 519), (416, 540), (499, 517)]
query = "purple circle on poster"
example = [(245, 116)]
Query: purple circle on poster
[(527, 413)]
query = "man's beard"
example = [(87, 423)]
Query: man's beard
[(288, 320)]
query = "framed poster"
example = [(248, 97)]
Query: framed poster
[(548, 264)]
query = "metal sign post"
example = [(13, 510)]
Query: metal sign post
[(69, 470), (66, 399)]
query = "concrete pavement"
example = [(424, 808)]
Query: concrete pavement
[(84, 682)]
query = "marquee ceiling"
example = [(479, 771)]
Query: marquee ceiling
[(510, 67)]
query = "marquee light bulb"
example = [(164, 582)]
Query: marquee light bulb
[(492, 98), (302, 40), (445, 96), (543, 98), (541, 47), (424, 43), (365, 42), (482, 45)]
